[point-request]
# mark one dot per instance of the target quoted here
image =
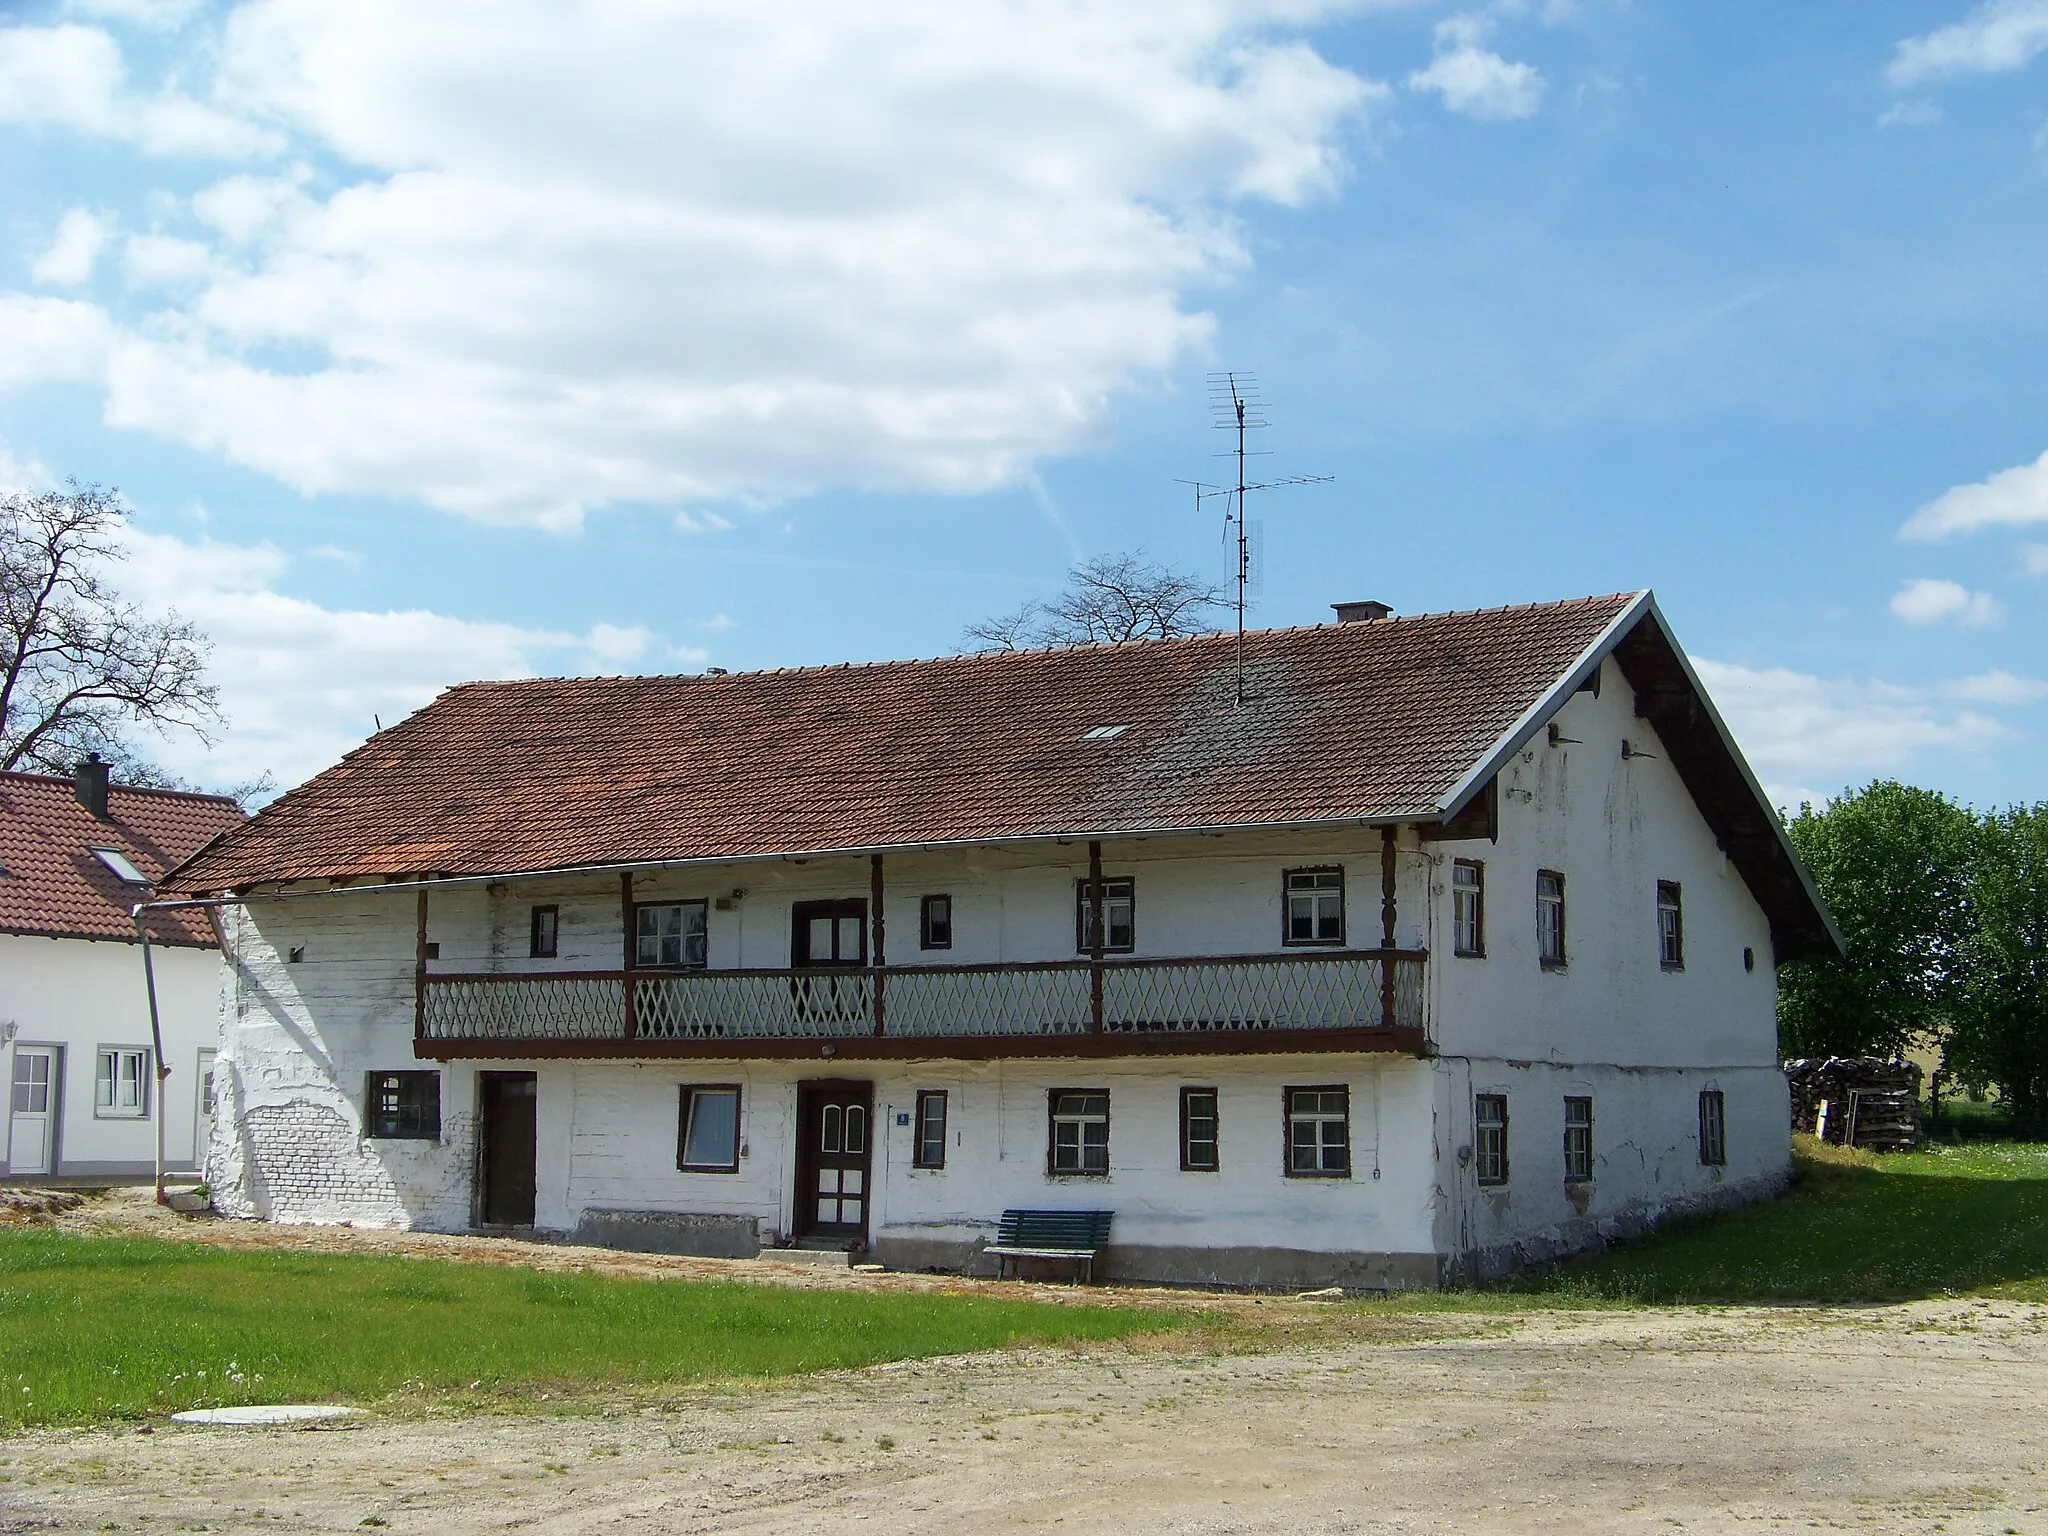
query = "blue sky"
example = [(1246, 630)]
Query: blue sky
[(434, 343)]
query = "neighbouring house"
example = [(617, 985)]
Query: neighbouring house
[(1373, 953), (76, 1052)]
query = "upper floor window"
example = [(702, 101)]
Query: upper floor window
[(935, 922), (543, 933), (402, 1105), (1078, 1138), (1713, 1128), (1318, 1133), (1315, 906), (1198, 1127), (669, 935), (1490, 1138), (1119, 917), (121, 1086), (1550, 917), (1468, 907), (1578, 1140), (1670, 927)]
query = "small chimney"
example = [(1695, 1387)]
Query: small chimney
[(1361, 613), (89, 783)]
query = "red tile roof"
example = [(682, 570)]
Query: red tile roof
[(52, 884), (1345, 722)]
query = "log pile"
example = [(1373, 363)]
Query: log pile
[(1862, 1101)]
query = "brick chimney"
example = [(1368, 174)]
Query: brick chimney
[(89, 783), (1361, 613)]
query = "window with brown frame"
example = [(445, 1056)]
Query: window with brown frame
[(1713, 1128), (1119, 916), (1550, 919), (1077, 1138), (1319, 1132), (544, 933), (935, 922), (1578, 1140), (1468, 908), (708, 1128), (1199, 1124), (1670, 927), (1314, 906), (930, 1123), (1490, 1137)]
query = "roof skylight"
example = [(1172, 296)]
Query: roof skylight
[(119, 862), (1104, 732)]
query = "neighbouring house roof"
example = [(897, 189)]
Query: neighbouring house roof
[(53, 884), (1397, 720)]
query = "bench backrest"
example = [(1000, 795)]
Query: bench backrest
[(1054, 1229)]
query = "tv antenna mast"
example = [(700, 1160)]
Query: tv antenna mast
[(1239, 408)]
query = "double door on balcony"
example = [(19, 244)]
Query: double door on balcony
[(830, 940)]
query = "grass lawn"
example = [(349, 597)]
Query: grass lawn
[(1855, 1228), (112, 1327)]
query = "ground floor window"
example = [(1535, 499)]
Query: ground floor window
[(708, 1139), (1198, 1126), (1318, 1133), (1578, 1140), (931, 1130), (1490, 1139), (1713, 1128), (1079, 1135), (121, 1090), (402, 1105)]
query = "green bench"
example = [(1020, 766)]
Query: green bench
[(1076, 1236)]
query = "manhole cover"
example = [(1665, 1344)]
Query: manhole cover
[(265, 1413)]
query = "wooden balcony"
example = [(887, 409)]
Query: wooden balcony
[(1347, 1000)]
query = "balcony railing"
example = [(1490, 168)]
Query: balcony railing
[(1372, 999)]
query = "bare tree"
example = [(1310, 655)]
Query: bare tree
[(1109, 600), (78, 663)]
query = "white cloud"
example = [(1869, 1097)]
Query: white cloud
[(1927, 600), (1475, 81), (301, 684), (75, 250), (1998, 36), (722, 252), (19, 474), (72, 76), (165, 261), (1909, 114), (1999, 686), (2011, 498), (1807, 736), (51, 339)]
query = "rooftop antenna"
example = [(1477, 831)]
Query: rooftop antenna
[(1239, 408)]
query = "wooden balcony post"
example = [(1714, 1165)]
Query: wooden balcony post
[(1386, 927), (630, 951), (879, 957), (1095, 936), (419, 973)]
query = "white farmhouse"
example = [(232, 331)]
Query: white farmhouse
[(1372, 954), (76, 1051)]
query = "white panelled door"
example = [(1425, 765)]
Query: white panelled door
[(32, 1111)]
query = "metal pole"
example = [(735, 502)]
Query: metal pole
[(156, 1044)]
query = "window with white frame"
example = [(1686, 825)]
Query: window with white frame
[(1119, 917), (1468, 908), (1490, 1137), (1578, 1140), (121, 1085), (1319, 1133), (708, 1139), (1670, 927), (1713, 1128), (1315, 906), (1078, 1138), (1550, 918), (669, 936)]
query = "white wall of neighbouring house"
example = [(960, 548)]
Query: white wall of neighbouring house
[(76, 997)]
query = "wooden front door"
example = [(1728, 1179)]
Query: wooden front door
[(507, 1104), (834, 1160), (32, 1111)]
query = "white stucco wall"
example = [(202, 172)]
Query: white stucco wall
[(80, 995)]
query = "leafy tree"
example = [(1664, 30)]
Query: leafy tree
[(2000, 1036), (1893, 864), (78, 663), (1109, 600)]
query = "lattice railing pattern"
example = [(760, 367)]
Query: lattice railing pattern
[(1174, 997), (1036, 1000), (748, 1006), (530, 1008)]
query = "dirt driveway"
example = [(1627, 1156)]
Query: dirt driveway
[(1925, 1418)]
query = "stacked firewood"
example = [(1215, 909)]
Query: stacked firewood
[(1862, 1101)]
